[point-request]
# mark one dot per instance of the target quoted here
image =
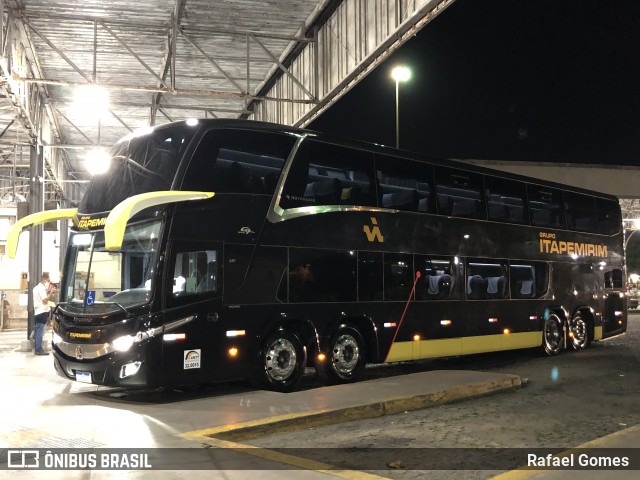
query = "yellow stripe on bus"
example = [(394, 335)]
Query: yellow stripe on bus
[(447, 347), (117, 220), (36, 219), (597, 333)]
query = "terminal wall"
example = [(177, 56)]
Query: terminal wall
[(621, 181)]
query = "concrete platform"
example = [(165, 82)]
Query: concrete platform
[(41, 410)]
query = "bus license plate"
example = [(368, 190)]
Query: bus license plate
[(84, 377)]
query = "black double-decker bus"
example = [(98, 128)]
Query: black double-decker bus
[(228, 249)]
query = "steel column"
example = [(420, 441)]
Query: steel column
[(36, 204)]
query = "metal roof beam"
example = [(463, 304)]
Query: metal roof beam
[(142, 62), (35, 104), (27, 40), (169, 59), (177, 91), (74, 126), (7, 127), (283, 68), (58, 51), (212, 62), (174, 106), (120, 120), (166, 115), (157, 25)]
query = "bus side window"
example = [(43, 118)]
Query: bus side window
[(546, 207), (322, 275), (460, 193), (581, 212), (487, 279), (505, 199), (370, 273), (327, 174), (404, 184), (437, 278), (238, 161), (609, 216), (195, 273), (528, 279), (613, 278), (523, 281), (398, 276)]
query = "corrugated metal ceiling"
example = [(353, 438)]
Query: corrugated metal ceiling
[(224, 51)]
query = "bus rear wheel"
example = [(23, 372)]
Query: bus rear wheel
[(580, 338), (282, 362), (345, 359), (552, 335)]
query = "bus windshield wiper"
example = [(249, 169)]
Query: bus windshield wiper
[(126, 312)]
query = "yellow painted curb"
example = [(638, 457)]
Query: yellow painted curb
[(286, 459), (227, 436), (298, 421)]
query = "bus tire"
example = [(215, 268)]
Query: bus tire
[(283, 358), (580, 330), (552, 335), (345, 357)]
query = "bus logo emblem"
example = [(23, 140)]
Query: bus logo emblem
[(79, 353), (373, 234)]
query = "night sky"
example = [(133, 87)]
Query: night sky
[(536, 80)]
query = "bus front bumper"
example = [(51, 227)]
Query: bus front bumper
[(114, 370)]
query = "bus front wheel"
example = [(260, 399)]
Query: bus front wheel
[(282, 361), (552, 335), (580, 333), (345, 357)]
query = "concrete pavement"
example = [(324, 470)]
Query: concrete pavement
[(43, 410)]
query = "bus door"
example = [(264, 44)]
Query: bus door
[(192, 306)]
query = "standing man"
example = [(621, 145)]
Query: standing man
[(42, 294)]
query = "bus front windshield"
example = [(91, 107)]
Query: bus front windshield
[(98, 278)]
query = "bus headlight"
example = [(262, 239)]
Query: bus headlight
[(122, 344)]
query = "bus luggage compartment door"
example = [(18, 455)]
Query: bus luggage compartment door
[(615, 316)]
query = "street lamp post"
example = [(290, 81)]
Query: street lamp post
[(399, 74)]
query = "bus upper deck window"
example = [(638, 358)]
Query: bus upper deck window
[(546, 207), (238, 161), (581, 212), (405, 184), (328, 174), (609, 216), (505, 199)]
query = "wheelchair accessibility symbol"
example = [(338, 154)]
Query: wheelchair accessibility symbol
[(91, 297)]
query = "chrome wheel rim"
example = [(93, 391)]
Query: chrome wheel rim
[(579, 332), (345, 354), (552, 335), (280, 359)]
